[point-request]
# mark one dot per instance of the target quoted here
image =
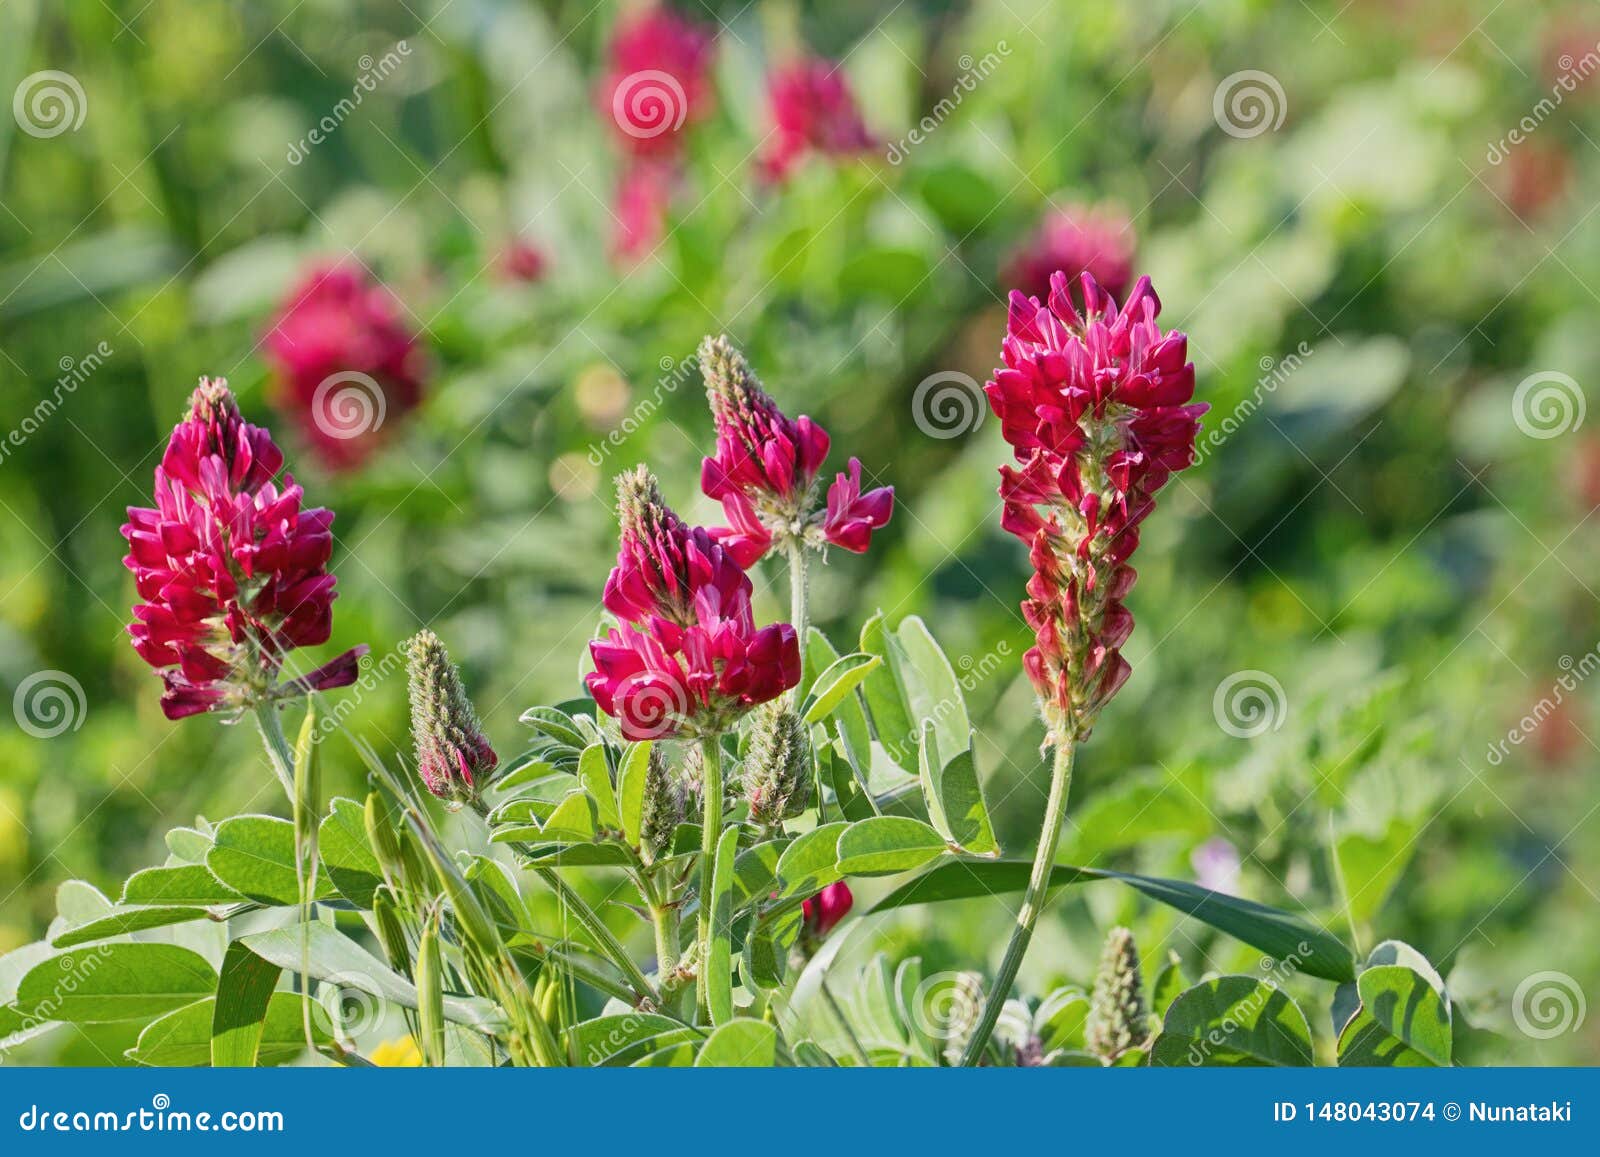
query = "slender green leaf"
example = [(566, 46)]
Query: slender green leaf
[(835, 683), (1279, 934), (719, 965), (630, 783), (595, 775), (239, 1012), (337, 959), (121, 921), (575, 820), (187, 884), (955, 800)]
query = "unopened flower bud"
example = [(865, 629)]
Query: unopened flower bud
[(662, 809), (776, 778), (453, 755), (1117, 1018), (824, 910)]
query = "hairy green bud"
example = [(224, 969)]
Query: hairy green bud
[(777, 779), (454, 757), (1117, 1017), (662, 809)]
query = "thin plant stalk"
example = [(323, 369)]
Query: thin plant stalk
[(797, 600), (1055, 811), (279, 753), (711, 831), (612, 948)]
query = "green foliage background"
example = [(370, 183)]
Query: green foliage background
[(1379, 534)]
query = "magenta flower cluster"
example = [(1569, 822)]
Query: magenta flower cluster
[(231, 567), (1096, 406)]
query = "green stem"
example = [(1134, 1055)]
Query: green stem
[(278, 751), (606, 940), (1055, 811), (710, 833), (797, 599)]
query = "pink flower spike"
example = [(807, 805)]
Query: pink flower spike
[(745, 539), (232, 570), (852, 516)]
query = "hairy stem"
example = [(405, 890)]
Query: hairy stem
[(710, 833), (797, 598), (1055, 811), (278, 751)]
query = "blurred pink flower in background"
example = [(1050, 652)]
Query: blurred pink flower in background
[(345, 364), (644, 193), (1074, 239), (1216, 866), (522, 260), (813, 110), (657, 81)]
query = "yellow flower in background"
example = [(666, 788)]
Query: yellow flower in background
[(401, 1053)]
